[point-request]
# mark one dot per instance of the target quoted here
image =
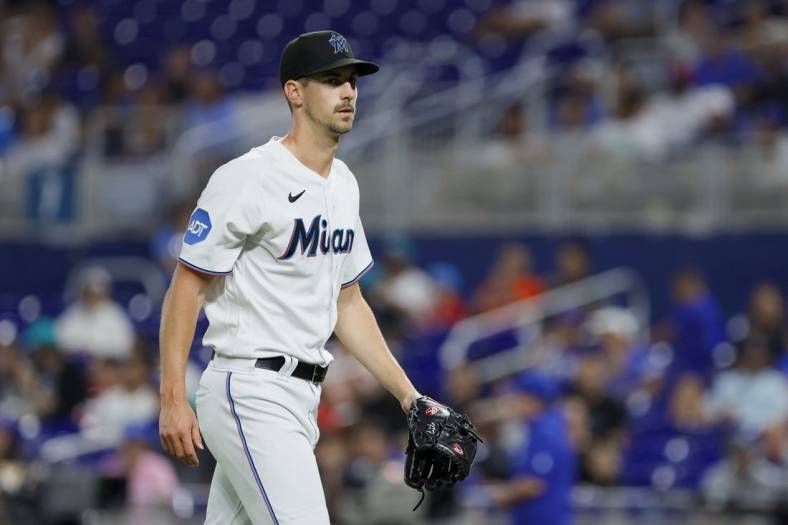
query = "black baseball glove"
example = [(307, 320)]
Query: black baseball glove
[(441, 446)]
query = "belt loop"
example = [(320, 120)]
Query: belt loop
[(290, 365), (251, 363)]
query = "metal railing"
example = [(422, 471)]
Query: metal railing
[(525, 318)]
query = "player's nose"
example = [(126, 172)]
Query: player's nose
[(348, 91)]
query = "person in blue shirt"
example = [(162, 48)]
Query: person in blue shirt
[(698, 325), (544, 463)]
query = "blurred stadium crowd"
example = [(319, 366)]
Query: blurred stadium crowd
[(679, 73), (699, 404), (702, 404)]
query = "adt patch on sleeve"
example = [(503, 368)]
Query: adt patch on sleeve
[(199, 227)]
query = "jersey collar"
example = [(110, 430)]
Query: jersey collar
[(309, 171)]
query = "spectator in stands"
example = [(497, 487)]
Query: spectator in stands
[(134, 123), (132, 401), (522, 19), (448, 307), (685, 403), (563, 346), (9, 445), (759, 32), (653, 127), (332, 460), (39, 341), (8, 131), (31, 46), (177, 72), (462, 386), (150, 476), (210, 119), (601, 464), (115, 93), (630, 364), (745, 479), (771, 88), (369, 452), (578, 424), (146, 133), (404, 290), (627, 133), (573, 115), (14, 474), (85, 47), (637, 125), (752, 396), (574, 105), (775, 445), (543, 463), (617, 19), (352, 395), (166, 243), (18, 383), (345, 391), (48, 143), (95, 324), (684, 39), (695, 330), (118, 107), (208, 105), (511, 278), (572, 263), (375, 495), (515, 146), (696, 326), (724, 64), (376, 404), (767, 317), (103, 375), (61, 383), (771, 148)]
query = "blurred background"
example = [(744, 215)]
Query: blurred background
[(577, 209)]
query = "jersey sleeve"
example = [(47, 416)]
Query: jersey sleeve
[(226, 214), (359, 261)]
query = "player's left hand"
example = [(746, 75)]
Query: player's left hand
[(441, 445)]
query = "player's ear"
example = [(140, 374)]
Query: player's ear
[(294, 91)]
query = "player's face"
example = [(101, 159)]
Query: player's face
[(330, 99)]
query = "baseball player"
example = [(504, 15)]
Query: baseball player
[(273, 252)]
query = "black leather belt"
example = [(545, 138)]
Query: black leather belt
[(313, 373)]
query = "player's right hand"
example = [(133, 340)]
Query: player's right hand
[(179, 431)]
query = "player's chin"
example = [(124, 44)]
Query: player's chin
[(342, 126)]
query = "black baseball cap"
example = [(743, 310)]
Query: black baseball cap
[(317, 52)]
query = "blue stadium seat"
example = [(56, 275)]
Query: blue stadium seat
[(139, 31)]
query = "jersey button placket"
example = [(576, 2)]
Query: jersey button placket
[(329, 217), (335, 261)]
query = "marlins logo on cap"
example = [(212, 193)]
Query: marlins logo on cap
[(339, 43)]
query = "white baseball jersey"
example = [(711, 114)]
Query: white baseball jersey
[(288, 240)]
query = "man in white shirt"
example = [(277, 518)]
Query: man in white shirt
[(753, 396), (95, 324), (274, 252)]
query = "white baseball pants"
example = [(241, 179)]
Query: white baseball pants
[(261, 428)]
